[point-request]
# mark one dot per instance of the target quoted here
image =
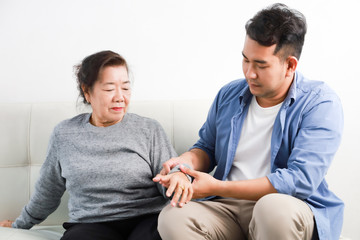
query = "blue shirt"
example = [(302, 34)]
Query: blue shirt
[(306, 135)]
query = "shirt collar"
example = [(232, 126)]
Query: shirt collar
[(291, 97), (245, 94)]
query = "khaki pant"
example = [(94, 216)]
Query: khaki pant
[(275, 216)]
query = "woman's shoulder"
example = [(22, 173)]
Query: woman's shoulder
[(72, 123), (139, 120)]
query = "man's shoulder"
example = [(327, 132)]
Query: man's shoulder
[(307, 85), (314, 91)]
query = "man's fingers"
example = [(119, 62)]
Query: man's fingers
[(163, 171), (168, 165), (166, 168), (188, 171)]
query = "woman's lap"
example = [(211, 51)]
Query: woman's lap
[(144, 227)]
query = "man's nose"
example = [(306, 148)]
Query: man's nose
[(250, 73)]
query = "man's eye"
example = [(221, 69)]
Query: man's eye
[(108, 90)]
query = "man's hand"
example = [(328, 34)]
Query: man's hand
[(204, 184), (6, 223), (171, 163), (195, 158)]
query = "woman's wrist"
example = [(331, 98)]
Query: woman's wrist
[(177, 169)]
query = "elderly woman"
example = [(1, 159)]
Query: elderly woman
[(106, 160)]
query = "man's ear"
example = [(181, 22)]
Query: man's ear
[(291, 65)]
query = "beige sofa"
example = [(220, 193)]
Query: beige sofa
[(24, 133)]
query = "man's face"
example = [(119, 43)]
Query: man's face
[(266, 74)]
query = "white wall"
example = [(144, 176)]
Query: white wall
[(177, 50)]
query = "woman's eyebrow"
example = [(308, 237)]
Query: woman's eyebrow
[(113, 83)]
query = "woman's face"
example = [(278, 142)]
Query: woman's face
[(110, 96)]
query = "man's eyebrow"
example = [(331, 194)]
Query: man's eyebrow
[(257, 61)]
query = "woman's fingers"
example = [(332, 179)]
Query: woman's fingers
[(171, 187), (180, 189), (6, 223), (178, 192), (186, 196)]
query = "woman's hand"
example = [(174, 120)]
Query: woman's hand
[(162, 177), (6, 223), (178, 185)]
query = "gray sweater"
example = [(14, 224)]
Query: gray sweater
[(107, 171)]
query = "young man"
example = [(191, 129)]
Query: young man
[(272, 137)]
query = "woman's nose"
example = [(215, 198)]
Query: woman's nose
[(119, 96)]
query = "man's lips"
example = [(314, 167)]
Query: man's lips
[(253, 84)]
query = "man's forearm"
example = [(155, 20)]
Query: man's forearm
[(252, 189), (197, 159)]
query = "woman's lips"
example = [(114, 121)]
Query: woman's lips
[(117, 108)]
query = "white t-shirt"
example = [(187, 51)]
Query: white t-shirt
[(252, 157)]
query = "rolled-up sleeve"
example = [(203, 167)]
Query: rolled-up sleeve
[(207, 134)]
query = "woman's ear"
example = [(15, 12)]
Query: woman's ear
[(86, 93), (291, 65)]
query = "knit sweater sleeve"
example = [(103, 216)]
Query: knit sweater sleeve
[(161, 151), (48, 190)]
